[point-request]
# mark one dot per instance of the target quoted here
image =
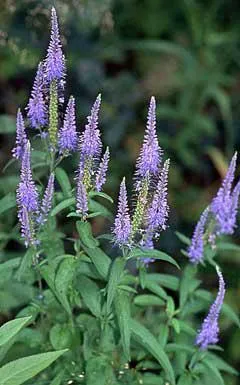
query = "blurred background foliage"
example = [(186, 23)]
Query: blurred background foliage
[(185, 52)]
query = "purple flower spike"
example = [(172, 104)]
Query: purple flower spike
[(196, 249), (27, 230), (122, 224), (37, 111), (47, 200), (21, 137), (102, 171), (224, 204), (158, 212), (82, 201), (55, 61), (27, 195), (90, 142), (67, 135), (149, 159), (208, 335)]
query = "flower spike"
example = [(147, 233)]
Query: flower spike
[(67, 137), (55, 61), (21, 137), (90, 142), (149, 159), (27, 195), (224, 205), (37, 111), (102, 171), (196, 249), (47, 200), (122, 224), (158, 211), (82, 200), (208, 335)]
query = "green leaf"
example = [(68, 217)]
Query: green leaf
[(58, 379), (170, 309), (166, 280), (8, 202), (91, 295), (214, 372), (175, 348), (149, 342), (123, 312), (183, 238), (96, 207), (85, 232), (92, 194), (155, 288), (226, 246), (185, 379), (100, 260), (63, 205), (99, 371), (176, 325), (155, 254), (64, 277), (220, 364), (26, 264), (21, 370), (64, 182), (60, 336), (148, 300), (116, 272), (9, 266), (11, 328)]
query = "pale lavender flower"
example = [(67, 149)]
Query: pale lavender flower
[(47, 200), (208, 335), (90, 142), (158, 211), (81, 198), (122, 224), (21, 137), (149, 159), (102, 171), (55, 61), (37, 111), (67, 138), (196, 248), (27, 195), (27, 230), (223, 204)]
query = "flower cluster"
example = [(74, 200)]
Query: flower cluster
[(151, 210), (221, 215), (62, 138)]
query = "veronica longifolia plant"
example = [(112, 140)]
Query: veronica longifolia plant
[(121, 325)]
